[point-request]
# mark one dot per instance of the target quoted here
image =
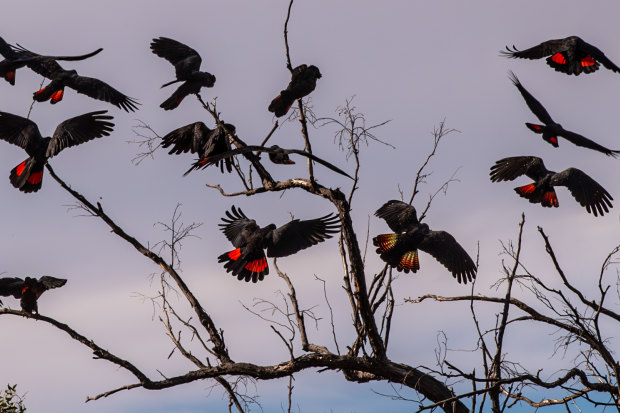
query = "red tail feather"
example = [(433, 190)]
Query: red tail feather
[(550, 199), (525, 190)]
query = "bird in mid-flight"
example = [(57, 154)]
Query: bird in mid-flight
[(570, 55), (589, 193), (400, 249), (186, 63), (248, 262), (551, 130)]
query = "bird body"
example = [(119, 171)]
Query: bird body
[(400, 249), (28, 290), (28, 175), (589, 193), (303, 82), (248, 261), (186, 63), (570, 55), (551, 130)]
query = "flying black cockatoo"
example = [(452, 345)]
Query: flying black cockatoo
[(28, 290), (303, 81), (584, 189), (14, 59), (186, 63), (247, 261), (400, 250), (61, 78), (276, 155), (570, 55), (551, 130), (198, 138), (28, 175)]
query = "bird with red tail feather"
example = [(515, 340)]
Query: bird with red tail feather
[(400, 249), (589, 193), (28, 175), (303, 82), (28, 290), (248, 262)]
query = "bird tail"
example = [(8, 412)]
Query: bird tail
[(10, 77), (48, 93), (386, 244), (173, 101), (200, 163), (27, 176), (572, 67), (254, 268), (282, 103)]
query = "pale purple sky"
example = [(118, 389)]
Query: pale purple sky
[(412, 62)]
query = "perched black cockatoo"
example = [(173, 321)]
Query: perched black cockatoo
[(28, 290), (303, 81)]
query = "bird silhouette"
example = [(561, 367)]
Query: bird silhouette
[(400, 249), (61, 78), (303, 81), (186, 63), (551, 130), (570, 55), (28, 175), (28, 290), (589, 193), (248, 262), (14, 59), (277, 155)]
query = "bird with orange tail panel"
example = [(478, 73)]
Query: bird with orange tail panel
[(15, 59), (28, 290), (303, 81), (400, 249), (248, 262), (570, 55), (551, 130), (186, 62), (28, 175), (589, 193)]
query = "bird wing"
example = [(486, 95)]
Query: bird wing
[(544, 49), (297, 235), (188, 138), (508, 169), (535, 106), (78, 130), (19, 131), (48, 282), (589, 193), (100, 90), (444, 248), (597, 54), (580, 140), (11, 286), (237, 227), (399, 215), (185, 59), (44, 66), (319, 160), (6, 50)]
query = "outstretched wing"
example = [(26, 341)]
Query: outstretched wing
[(188, 138), (237, 227), (319, 160), (297, 235), (47, 283), (19, 131), (399, 215), (544, 49), (185, 59), (508, 169), (78, 130), (597, 54), (535, 106), (589, 193), (100, 90), (580, 140), (11, 286), (444, 248)]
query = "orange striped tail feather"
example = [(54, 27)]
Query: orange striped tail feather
[(409, 262), (385, 242)]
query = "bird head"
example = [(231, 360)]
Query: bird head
[(316, 71)]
